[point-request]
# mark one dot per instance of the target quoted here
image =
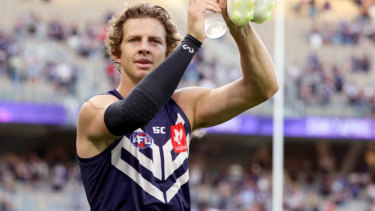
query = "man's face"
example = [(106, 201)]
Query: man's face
[(143, 47)]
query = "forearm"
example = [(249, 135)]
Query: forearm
[(256, 63)]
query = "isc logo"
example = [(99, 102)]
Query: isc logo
[(158, 130), (141, 140)]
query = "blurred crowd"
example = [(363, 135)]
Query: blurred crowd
[(320, 84), (24, 62), (320, 81), (30, 181), (316, 82), (324, 8), (249, 188), (328, 30), (36, 182)]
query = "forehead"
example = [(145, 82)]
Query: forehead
[(144, 27)]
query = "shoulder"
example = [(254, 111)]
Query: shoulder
[(102, 101), (188, 99), (94, 105), (189, 95)]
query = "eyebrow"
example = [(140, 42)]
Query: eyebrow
[(138, 36)]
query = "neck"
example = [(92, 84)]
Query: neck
[(126, 84)]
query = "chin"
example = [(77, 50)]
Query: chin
[(143, 73)]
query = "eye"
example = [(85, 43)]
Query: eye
[(155, 41), (133, 40)]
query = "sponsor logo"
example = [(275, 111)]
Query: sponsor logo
[(141, 140), (178, 137)]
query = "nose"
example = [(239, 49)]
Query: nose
[(144, 48)]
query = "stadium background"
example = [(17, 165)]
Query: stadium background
[(52, 59)]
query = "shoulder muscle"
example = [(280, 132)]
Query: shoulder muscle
[(90, 119), (188, 98)]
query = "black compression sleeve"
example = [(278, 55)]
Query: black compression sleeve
[(152, 92)]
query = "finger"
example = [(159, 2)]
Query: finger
[(223, 4), (213, 2), (213, 6)]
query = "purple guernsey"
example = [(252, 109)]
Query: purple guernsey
[(146, 169)]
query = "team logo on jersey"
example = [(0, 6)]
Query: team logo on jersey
[(178, 138), (141, 139)]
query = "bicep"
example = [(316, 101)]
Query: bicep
[(215, 106)]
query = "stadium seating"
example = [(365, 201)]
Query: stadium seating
[(326, 74)]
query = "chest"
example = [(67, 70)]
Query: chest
[(167, 126)]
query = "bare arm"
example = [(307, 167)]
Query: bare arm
[(92, 134), (208, 107)]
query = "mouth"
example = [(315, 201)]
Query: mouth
[(143, 63)]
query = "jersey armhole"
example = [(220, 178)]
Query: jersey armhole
[(182, 113)]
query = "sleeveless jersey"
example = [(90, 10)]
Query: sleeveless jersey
[(144, 170)]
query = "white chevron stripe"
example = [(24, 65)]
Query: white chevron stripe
[(169, 165), (134, 174), (153, 165), (172, 191), (180, 119)]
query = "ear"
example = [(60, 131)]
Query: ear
[(116, 58)]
